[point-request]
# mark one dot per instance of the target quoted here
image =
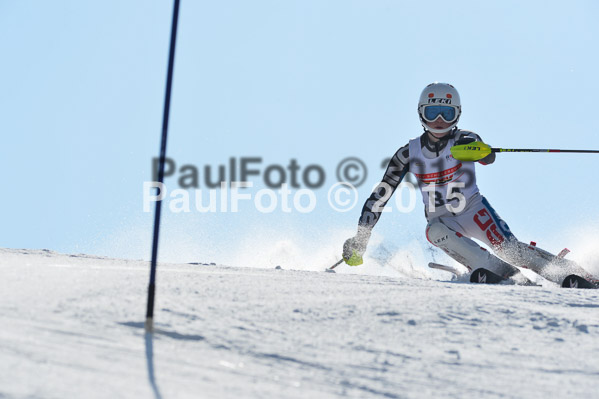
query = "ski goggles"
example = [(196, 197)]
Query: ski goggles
[(431, 112)]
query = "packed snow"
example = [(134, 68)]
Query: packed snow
[(72, 327)]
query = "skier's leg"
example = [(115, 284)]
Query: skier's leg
[(466, 251), (540, 261), (484, 223)]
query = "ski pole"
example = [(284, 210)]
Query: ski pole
[(149, 325), (543, 150), (477, 150), (336, 264)]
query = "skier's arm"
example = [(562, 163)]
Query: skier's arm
[(466, 137), (373, 207), (395, 172)]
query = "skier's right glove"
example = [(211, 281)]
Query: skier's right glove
[(354, 247)]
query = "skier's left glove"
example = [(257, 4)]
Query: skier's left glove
[(489, 159), (354, 247)]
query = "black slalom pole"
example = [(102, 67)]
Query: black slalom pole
[(167, 102)]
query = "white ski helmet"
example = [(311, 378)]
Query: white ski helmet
[(439, 99)]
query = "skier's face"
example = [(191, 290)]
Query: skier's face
[(438, 123)]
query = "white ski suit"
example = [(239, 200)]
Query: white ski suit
[(456, 212)]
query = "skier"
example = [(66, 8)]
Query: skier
[(455, 210)]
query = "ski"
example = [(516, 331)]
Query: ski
[(575, 281), (446, 268), (485, 276)]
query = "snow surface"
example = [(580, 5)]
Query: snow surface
[(71, 326)]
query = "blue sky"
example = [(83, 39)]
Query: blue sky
[(82, 96)]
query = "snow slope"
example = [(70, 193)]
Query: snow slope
[(71, 326)]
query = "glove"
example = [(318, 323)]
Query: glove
[(353, 250), (354, 247), (489, 159)]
